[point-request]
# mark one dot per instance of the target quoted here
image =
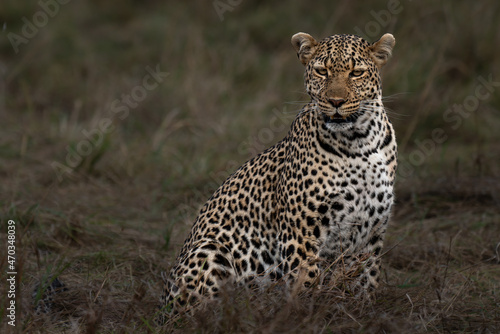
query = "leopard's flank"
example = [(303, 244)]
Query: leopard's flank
[(322, 194)]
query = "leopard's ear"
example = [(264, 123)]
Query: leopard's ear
[(381, 50), (305, 45)]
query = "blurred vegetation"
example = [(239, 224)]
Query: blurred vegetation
[(124, 210)]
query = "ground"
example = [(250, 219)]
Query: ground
[(119, 119)]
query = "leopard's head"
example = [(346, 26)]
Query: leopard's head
[(342, 74)]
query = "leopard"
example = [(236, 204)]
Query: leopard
[(318, 199)]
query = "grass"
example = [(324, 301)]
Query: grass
[(112, 225)]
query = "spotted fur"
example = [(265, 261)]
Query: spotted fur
[(44, 293), (322, 194)]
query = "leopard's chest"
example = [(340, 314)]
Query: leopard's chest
[(347, 198)]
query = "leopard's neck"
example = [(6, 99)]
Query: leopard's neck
[(366, 137)]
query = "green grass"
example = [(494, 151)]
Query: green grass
[(109, 227)]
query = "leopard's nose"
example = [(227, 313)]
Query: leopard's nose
[(336, 102)]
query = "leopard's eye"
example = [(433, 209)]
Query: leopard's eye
[(356, 73), (321, 71)]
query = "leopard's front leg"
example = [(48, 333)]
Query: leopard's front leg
[(362, 268), (300, 263)]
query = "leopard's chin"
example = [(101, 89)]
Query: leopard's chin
[(337, 118), (339, 121)]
